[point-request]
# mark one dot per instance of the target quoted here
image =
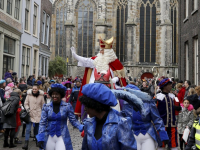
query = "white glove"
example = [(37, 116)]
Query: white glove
[(73, 50), (115, 80)]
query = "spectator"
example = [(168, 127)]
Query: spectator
[(144, 87), (22, 85), (43, 79), (8, 90), (8, 80), (187, 87), (39, 83), (33, 103), (191, 91), (181, 92), (33, 80), (185, 120), (3, 100), (18, 121), (9, 122), (29, 81), (8, 75), (74, 95), (45, 86)]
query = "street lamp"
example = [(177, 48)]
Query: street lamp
[(67, 65)]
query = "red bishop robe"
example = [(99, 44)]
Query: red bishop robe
[(118, 70)]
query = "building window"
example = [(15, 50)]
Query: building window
[(34, 62), (26, 61), (194, 5), (187, 61), (23, 60), (148, 31), (122, 16), (9, 46), (42, 67), (85, 28), (174, 21), (43, 27), (47, 30), (8, 63), (35, 20), (17, 8), (1, 4), (186, 8), (27, 15), (9, 7), (61, 46), (196, 61)]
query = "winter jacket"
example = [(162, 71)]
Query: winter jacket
[(33, 81), (116, 133), (11, 120), (185, 118), (191, 140), (186, 92), (8, 75), (2, 93), (34, 104), (57, 123), (22, 87), (8, 90), (181, 94), (194, 100), (29, 82)]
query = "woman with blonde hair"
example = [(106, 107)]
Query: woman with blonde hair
[(191, 91)]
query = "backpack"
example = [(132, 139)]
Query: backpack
[(7, 108)]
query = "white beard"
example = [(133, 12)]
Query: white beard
[(102, 61)]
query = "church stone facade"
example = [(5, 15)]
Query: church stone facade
[(145, 33)]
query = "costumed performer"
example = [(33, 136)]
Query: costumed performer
[(106, 129), (53, 131), (100, 69), (166, 108), (146, 123)]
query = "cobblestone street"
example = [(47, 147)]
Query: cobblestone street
[(74, 133)]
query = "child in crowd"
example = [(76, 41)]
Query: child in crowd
[(185, 120), (8, 90)]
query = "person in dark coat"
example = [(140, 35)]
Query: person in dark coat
[(22, 85), (29, 81), (8, 75), (9, 122)]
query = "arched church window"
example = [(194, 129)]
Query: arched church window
[(61, 17), (61, 33), (122, 16), (85, 28), (174, 21), (148, 30)]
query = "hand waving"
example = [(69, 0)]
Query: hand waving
[(73, 50)]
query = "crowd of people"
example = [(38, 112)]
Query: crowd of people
[(110, 110), (33, 93)]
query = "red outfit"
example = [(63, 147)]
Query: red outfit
[(67, 96), (118, 70), (180, 96), (18, 120)]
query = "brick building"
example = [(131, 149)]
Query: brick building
[(188, 50), (145, 33), (45, 34)]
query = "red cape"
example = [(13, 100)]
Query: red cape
[(118, 70)]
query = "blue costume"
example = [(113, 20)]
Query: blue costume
[(148, 120), (116, 131), (52, 124)]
